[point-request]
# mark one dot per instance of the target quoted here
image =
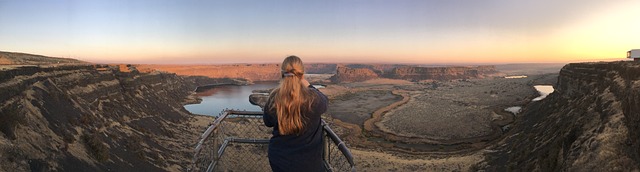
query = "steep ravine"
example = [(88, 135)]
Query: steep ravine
[(94, 118), (590, 123)]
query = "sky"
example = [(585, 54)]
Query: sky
[(324, 31)]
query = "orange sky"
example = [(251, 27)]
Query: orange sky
[(421, 32)]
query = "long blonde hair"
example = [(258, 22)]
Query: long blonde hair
[(291, 98)]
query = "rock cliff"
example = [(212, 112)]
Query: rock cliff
[(380, 69), (345, 74), (252, 72), (440, 73), (590, 123), (360, 72), (94, 118)]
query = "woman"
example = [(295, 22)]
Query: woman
[(293, 110)]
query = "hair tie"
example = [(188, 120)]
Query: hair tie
[(288, 74)]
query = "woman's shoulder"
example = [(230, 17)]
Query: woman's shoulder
[(320, 101)]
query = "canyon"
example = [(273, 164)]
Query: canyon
[(69, 115), (340, 72), (88, 117)]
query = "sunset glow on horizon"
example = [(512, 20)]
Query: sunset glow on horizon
[(418, 32)]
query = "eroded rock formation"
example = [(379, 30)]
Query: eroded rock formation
[(357, 73), (345, 74), (252, 72), (440, 73), (590, 123), (94, 118)]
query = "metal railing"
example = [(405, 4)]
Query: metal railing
[(238, 141)]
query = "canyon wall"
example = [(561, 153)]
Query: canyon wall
[(357, 73), (380, 69), (252, 72), (440, 73), (590, 123), (95, 118), (345, 74)]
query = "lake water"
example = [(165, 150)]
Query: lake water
[(515, 109), (216, 99), (515, 76), (544, 91)]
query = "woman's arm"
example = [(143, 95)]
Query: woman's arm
[(267, 117), (322, 102)]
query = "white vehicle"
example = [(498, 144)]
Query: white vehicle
[(634, 54)]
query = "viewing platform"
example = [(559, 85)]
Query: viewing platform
[(238, 141)]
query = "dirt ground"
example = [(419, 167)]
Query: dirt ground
[(444, 126), (457, 110)]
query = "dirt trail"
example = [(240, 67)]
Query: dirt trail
[(369, 125)]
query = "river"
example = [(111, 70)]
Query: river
[(543, 90)]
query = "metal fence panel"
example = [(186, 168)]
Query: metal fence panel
[(238, 141)]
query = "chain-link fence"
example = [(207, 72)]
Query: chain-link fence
[(238, 141)]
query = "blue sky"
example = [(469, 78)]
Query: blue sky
[(492, 31)]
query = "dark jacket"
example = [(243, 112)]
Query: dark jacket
[(298, 152)]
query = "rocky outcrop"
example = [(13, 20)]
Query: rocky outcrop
[(94, 118), (440, 73), (11, 58), (345, 74), (590, 123)]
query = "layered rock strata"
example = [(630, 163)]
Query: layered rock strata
[(590, 123), (367, 72), (344, 74), (94, 118), (440, 73)]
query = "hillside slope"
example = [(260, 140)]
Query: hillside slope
[(590, 123), (94, 118)]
